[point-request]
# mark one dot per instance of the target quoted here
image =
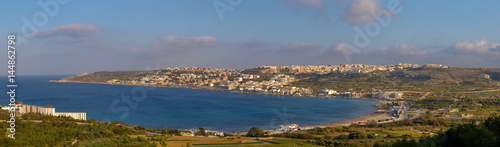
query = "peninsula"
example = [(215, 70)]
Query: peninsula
[(344, 80)]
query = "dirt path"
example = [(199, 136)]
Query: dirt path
[(423, 96)]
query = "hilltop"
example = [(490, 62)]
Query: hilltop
[(308, 79)]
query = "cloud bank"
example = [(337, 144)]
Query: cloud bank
[(355, 11), (475, 47), (72, 30)]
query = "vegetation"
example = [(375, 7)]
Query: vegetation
[(467, 90), (122, 141), (104, 76), (485, 134), (63, 131), (255, 132), (410, 79), (201, 132), (230, 143), (417, 79)]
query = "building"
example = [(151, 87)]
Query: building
[(187, 134), (214, 133), (287, 128), (48, 110), (325, 92), (391, 95), (228, 85), (23, 109), (75, 115)]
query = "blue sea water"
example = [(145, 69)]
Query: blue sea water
[(158, 107)]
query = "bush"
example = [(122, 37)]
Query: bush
[(255, 132)]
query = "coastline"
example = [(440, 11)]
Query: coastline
[(376, 115), (206, 88), (373, 116)]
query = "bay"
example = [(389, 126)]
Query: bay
[(160, 107)]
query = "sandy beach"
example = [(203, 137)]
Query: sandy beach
[(374, 116), (377, 115)]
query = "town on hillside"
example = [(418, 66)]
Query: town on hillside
[(268, 80)]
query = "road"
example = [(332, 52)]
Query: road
[(405, 115), (420, 112)]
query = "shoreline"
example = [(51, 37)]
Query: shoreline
[(376, 115), (210, 89), (373, 116)]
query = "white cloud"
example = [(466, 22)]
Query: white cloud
[(478, 46), (72, 30), (341, 47), (495, 46), (363, 11)]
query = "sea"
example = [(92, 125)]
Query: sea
[(178, 108)]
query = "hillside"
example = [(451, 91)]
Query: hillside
[(425, 79), (413, 79)]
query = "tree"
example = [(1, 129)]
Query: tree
[(163, 132), (469, 135), (202, 132), (255, 132), (493, 124), (371, 123), (357, 135)]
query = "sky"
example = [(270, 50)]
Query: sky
[(67, 37)]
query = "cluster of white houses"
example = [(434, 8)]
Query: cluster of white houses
[(48, 110), (288, 128), (389, 95)]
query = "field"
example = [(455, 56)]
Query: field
[(183, 141)]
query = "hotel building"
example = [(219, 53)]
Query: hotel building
[(48, 110)]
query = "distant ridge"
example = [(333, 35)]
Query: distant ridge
[(306, 80)]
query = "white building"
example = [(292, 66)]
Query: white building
[(75, 115), (287, 128), (48, 110), (327, 92), (390, 95)]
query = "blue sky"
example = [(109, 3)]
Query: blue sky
[(70, 37)]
